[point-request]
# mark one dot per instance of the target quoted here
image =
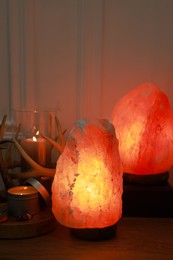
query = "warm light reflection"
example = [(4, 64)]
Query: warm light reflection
[(93, 185)]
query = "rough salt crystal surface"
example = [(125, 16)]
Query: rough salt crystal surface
[(87, 187), (144, 126)]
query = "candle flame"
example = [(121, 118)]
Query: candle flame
[(37, 133), (34, 139)]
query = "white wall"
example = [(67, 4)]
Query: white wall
[(137, 47), (4, 62), (81, 56)]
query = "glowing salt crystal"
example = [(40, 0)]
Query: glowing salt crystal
[(144, 126), (87, 187)]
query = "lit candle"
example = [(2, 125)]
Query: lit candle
[(36, 148), (22, 190), (22, 200)]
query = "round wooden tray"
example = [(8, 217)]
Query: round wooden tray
[(40, 224)]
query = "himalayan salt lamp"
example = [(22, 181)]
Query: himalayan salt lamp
[(144, 126), (87, 186)]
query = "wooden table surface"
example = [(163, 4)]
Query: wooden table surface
[(136, 238)]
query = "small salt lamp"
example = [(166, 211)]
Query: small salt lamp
[(144, 126), (87, 187)]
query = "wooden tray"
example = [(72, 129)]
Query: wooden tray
[(40, 224)]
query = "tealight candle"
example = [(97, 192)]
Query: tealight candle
[(22, 190), (22, 200)]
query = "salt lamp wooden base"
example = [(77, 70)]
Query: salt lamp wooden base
[(149, 179), (147, 200), (94, 234)]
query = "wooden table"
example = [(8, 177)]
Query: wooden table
[(136, 238)]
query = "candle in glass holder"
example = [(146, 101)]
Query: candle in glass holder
[(38, 149)]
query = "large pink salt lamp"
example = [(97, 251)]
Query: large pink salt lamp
[(144, 126), (87, 187)]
